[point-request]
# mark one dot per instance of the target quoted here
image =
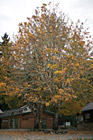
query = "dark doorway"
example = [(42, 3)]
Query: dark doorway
[(43, 123), (14, 124)]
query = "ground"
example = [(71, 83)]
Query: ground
[(24, 135)]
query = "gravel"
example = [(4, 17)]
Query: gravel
[(44, 137), (41, 136)]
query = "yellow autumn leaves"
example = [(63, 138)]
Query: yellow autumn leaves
[(2, 84), (61, 71)]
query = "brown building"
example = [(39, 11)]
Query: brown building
[(85, 120), (23, 118)]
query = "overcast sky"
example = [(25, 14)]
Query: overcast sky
[(12, 12)]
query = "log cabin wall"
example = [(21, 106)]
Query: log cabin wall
[(27, 121)]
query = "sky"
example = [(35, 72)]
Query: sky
[(12, 12)]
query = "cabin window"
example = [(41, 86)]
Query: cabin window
[(20, 111), (87, 116), (4, 120), (79, 118), (25, 109), (68, 123)]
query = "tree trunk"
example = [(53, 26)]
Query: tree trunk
[(55, 121), (37, 120), (38, 112)]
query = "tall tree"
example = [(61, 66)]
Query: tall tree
[(8, 89), (52, 53)]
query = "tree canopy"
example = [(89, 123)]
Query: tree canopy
[(51, 61), (53, 55)]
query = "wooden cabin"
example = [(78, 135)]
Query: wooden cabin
[(24, 118), (85, 119)]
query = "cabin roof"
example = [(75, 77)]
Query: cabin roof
[(88, 107), (14, 112), (19, 111)]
